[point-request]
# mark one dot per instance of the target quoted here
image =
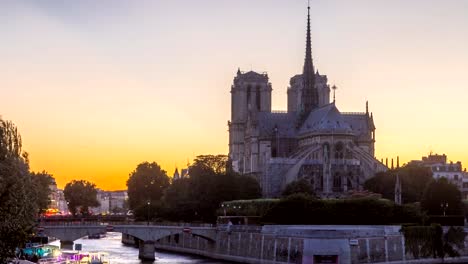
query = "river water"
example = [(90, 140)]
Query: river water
[(121, 254)]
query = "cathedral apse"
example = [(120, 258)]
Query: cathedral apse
[(312, 140)]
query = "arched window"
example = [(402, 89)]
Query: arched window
[(326, 153), (249, 90), (350, 180), (349, 183), (258, 98), (337, 180), (339, 150)]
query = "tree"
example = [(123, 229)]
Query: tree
[(17, 196), (211, 182), (414, 180), (204, 164), (146, 185), (42, 181), (80, 195), (442, 197), (178, 200), (299, 186)]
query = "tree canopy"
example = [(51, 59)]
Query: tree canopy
[(42, 181), (441, 195), (146, 185), (17, 196), (209, 164), (299, 186), (210, 183), (80, 196), (414, 180)]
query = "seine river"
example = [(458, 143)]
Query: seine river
[(120, 254)]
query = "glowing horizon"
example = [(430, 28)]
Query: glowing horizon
[(96, 89)]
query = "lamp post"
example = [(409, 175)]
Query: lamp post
[(444, 206), (147, 211), (224, 209)]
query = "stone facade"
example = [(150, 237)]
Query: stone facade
[(313, 139)]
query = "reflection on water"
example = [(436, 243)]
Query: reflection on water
[(121, 254)]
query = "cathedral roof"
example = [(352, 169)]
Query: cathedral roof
[(326, 119), (360, 123), (284, 122)]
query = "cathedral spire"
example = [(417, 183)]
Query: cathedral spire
[(308, 65), (309, 93)]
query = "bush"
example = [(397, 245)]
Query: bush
[(449, 220), (299, 186), (303, 209), (430, 241), (255, 207)]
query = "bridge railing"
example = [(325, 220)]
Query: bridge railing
[(240, 228), (109, 223)]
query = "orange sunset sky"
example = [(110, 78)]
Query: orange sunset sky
[(96, 87)]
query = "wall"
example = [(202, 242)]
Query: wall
[(293, 244)]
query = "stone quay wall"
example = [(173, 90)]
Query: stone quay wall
[(292, 244)]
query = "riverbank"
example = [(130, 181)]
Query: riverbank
[(297, 244)]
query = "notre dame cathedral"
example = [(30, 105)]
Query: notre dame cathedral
[(313, 140)]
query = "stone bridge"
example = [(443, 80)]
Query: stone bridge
[(146, 234)]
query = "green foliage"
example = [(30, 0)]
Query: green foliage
[(304, 209), (430, 241), (210, 183), (17, 197), (423, 241), (414, 180), (254, 207), (454, 241), (80, 194), (206, 164), (42, 181), (442, 195), (299, 186), (146, 183), (149, 212)]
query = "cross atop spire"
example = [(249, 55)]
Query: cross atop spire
[(334, 91)]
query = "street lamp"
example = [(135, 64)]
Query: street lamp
[(444, 206), (224, 209), (147, 211)]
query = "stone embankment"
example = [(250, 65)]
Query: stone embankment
[(292, 244)]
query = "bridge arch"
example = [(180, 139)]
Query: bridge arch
[(147, 235)]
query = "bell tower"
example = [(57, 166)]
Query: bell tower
[(250, 94)]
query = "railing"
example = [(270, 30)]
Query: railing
[(279, 111), (109, 223), (353, 113), (240, 228)]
